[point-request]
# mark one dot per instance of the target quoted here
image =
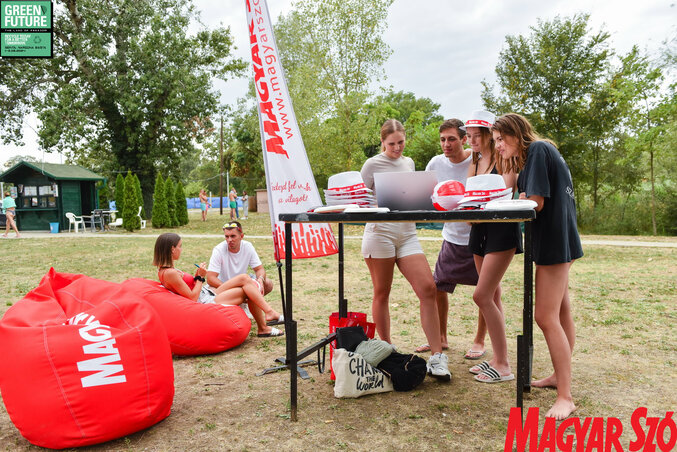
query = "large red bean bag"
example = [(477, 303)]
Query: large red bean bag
[(193, 328), (79, 370)]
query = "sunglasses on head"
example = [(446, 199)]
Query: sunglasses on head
[(232, 225)]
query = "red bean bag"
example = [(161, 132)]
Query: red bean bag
[(79, 369), (193, 328)]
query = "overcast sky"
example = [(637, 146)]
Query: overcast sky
[(443, 49)]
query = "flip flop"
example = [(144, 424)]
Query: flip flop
[(492, 376), (274, 332), (426, 348), (276, 321), (479, 368), (474, 354)]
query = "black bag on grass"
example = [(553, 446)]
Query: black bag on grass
[(349, 337), (406, 371)]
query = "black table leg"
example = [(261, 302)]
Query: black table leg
[(525, 343), (342, 302), (289, 323)]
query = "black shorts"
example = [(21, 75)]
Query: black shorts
[(488, 238), (455, 265)]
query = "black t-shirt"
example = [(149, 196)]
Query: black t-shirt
[(555, 235)]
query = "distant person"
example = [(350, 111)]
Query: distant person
[(232, 202), (493, 246), (455, 264), (204, 202), (9, 209), (235, 256), (232, 292), (544, 177), (385, 245), (245, 205)]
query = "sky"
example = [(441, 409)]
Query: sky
[(443, 49)]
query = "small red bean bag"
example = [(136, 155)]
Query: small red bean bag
[(193, 328), (83, 361)]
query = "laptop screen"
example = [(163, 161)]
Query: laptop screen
[(405, 190)]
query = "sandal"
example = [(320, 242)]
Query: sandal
[(491, 375), (274, 332), (479, 368), (426, 348), (276, 321), (474, 354)]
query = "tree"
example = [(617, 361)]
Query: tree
[(160, 216), (129, 87), (119, 193), (139, 195), (18, 158), (549, 77), (170, 197), (181, 205), (130, 220)]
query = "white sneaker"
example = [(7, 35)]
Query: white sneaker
[(438, 367), (245, 306)]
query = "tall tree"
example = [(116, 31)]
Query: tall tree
[(170, 197), (549, 76), (181, 205), (130, 219), (159, 216), (129, 86), (139, 196), (119, 193)]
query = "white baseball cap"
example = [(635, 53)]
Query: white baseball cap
[(480, 118)]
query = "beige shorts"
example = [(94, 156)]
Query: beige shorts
[(385, 240)]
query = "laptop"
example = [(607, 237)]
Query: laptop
[(405, 190)]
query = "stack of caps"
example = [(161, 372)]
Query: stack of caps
[(481, 189), (348, 188)]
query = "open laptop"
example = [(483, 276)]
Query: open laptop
[(405, 190)]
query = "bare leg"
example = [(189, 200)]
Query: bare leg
[(381, 271), (491, 270), (417, 271), (251, 292), (10, 222), (442, 300), (551, 283)]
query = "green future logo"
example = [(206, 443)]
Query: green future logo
[(25, 15), (26, 28)]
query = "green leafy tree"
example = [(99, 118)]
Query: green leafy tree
[(119, 192), (170, 197), (129, 87), (549, 76), (139, 195), (130, 221), (160, 216), (181, 205)]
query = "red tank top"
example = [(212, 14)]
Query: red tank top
[(190, 282)]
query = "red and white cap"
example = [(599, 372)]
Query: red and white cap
[(480, 118), (484, 188), (346, 182)]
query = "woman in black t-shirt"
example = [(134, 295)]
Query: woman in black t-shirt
[(544, 177)]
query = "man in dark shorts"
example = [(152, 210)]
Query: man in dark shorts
[(455, 263)]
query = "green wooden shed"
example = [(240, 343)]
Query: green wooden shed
[(46, 191)]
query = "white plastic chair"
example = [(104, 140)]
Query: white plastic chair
[(117, 221), (143, 222), (74, 220)]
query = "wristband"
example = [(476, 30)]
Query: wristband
[(198, 278)]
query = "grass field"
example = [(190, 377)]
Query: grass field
[(624, 302)]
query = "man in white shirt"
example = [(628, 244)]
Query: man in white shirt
[(455, 262), (236, 256)]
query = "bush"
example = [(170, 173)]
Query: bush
[(119, 193), (181, 205), (160, 217), (130, 219), (171, 203), (139, 196)]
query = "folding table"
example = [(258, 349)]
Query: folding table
[(524, 341)]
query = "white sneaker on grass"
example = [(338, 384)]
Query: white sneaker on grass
[(438, 367), (245, 306)]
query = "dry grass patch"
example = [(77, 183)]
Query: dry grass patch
[(625, 307)]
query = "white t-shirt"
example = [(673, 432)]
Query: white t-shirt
[(229, 265), (457, 232)]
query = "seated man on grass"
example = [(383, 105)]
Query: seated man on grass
[(236, 256)]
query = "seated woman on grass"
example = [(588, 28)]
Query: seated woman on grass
[(232, 292)]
